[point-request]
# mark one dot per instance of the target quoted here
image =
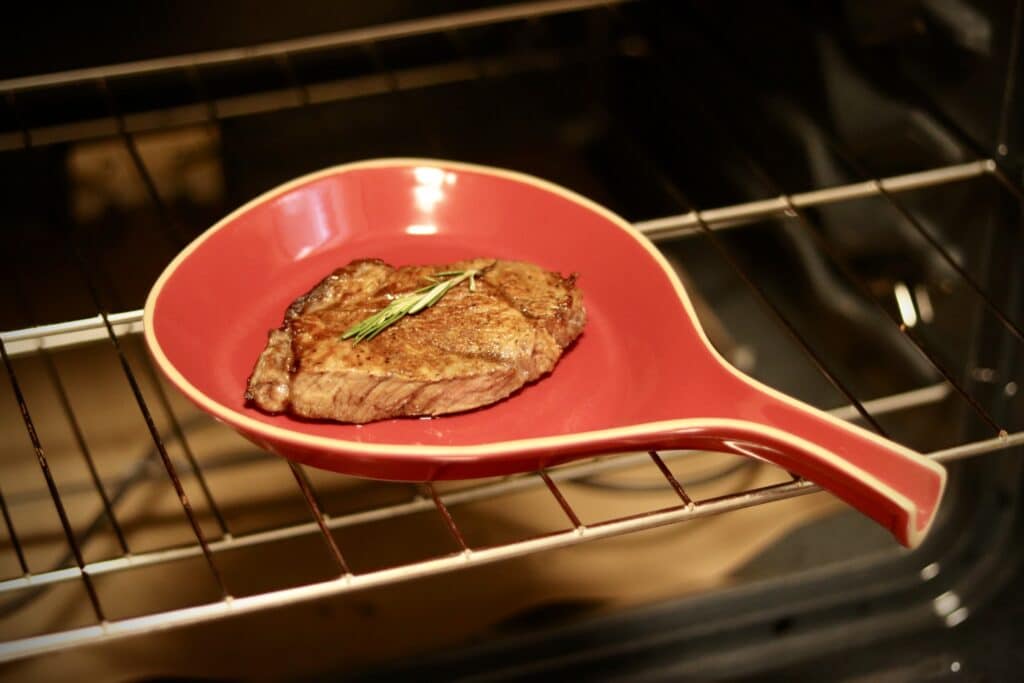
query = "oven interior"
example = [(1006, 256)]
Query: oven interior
[(839, 185)]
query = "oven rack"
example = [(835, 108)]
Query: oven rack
[(48, 338), (112, 327), (298, 93)]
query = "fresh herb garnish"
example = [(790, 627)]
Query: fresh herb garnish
[(410, 303)]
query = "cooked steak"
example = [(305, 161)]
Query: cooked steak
[(470, 349)]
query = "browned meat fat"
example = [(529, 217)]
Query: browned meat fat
[(470, 349)]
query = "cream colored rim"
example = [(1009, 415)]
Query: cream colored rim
[(342, 446)]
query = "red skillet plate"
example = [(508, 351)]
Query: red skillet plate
[(643, 375)]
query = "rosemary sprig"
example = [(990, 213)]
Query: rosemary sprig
[(410, 303)]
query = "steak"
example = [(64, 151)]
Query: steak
[(473, 347)]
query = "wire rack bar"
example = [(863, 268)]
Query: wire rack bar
[(166, 224), (58, 335), (914, 398), (671, 478), (1010, 84), (919, 98), (446, 515), (133, 150), (906, 400), (179, 434), (94, 294), (26, 647), (703, 508), (894, 402), (309, 493), (180, 617), (571, 472), (315, 509), (865, 290), (172, 472), (418, 504), (13, 535), (209, 110), (974, 448), (863, 169), (359, 36), (815, 357), (561, 499), (64, 400), (455, 39), (306, 483), (70, 333), (726, 253), (808, 225), (742, 214), (145, 469), (792, 210), (196, 81), (65, 524), (147, 416), (298, 93), (83, 448), (285, 62), (910, 219), (373, 54)]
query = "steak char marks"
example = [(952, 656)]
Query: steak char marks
[(470, 349)]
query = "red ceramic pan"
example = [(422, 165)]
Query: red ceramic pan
[(643, 375)]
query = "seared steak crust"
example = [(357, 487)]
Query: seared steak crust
[(470, 349)]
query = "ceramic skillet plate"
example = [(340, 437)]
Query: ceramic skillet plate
[(643, 374)]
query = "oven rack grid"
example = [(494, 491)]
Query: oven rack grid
[(114, 326), (45, 339)]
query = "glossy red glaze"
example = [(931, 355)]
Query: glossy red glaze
[(641, 376)]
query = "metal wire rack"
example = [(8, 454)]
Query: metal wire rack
[(46, 341)]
